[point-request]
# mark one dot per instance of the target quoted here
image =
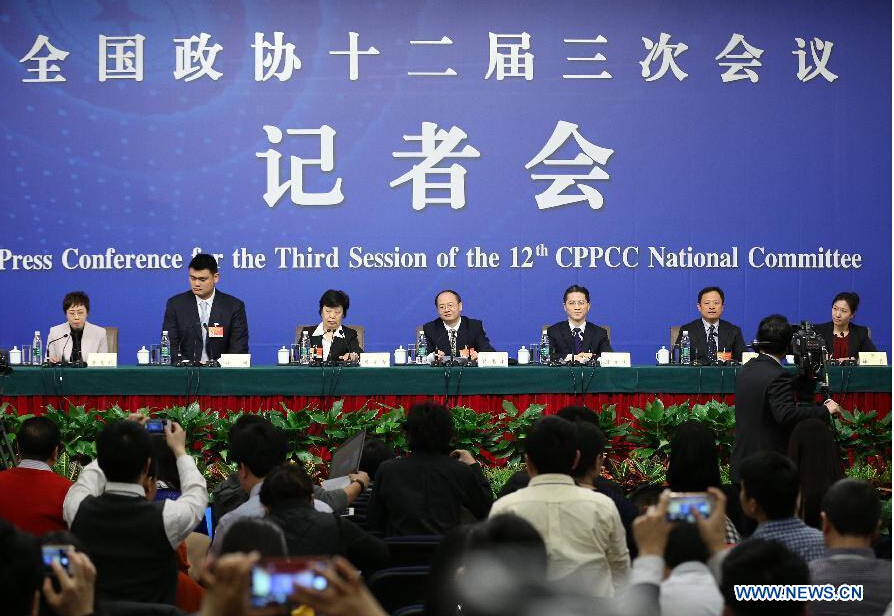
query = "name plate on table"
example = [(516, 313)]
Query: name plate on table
[(235, 360), (375, 360), (614, 360), (747, 356), (102, 360), (491, 359), (875, 358)]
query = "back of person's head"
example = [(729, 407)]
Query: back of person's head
[(255, 534), (551, 445), (693, 464), (64, 537), (429, 428), (518, 480), (684, 544), (166, 462), (762, 562), (286, 482), (813, 449), (852, 508), (38, 438), (646, 495), (260, 447), (21, 570), (775, 333), (122, 450), (375, 451), (513, 540), (590, 444), (771, 479), (578, 413), (242, 422)]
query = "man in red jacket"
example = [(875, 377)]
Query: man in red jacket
[(31, 494)]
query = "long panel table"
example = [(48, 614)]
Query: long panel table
[(264, 387)]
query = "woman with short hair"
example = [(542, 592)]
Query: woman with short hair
[(76, 339)]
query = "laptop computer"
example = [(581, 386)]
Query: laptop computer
[(345, 461)]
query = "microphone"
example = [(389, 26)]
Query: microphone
[(54, 340), (212, 362)]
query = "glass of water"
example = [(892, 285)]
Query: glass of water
[(411, 353), (535, 352), (154, 355)]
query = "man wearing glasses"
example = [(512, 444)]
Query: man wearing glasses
[(452, 334), (577, 338)]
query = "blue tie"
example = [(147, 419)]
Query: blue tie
[(203, 305), (578, 340)]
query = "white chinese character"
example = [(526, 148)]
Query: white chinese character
[(805, 74), (591, 155), (667, 54), (295, 183), (267, 65), (506, 57), (444, 40), (737, 68), (597, 57), (436, 144), (121, 57), (354, 54), (44, 68), (194, 62)]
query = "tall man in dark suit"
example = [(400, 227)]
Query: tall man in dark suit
[(204, 323), (452, 334), (709, 334), (766, 411), (577, 338)]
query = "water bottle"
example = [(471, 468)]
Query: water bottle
[(305, 348), (421, 348), (685, 349), (165, 349), (36, 350), (544, 349)]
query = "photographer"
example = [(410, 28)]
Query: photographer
[(766, 411)]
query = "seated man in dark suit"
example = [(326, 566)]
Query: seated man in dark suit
[(338, 342), (425, 492), (766, 411), (710, 336), (577, 338), (452, 334), (204, 323)]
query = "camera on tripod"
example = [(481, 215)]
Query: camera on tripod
[(809, 350)]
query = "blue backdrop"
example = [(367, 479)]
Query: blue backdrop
[(165, 165)]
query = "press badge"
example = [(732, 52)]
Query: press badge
[(215, 331)]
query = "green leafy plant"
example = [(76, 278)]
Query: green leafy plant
[(507, 436), (864, 434), (497, 476)]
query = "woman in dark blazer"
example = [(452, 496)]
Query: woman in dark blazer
[(337, 341), (845, 339)]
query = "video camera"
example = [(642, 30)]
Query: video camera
[(809, 350)]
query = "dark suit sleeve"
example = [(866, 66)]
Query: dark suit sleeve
[(477, 497), (866, 345), (604, 345), (738, 345), (353, 342), (170, 325), (239, 330), (780, 398), (376, 512), (365, 552), (481, 341), (554, 345)]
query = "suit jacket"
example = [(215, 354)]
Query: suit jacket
[(857, 338), (561, 342), (185, 330), (766, 411), (340, 346), (729, 337), (470, 334), (93, 341)]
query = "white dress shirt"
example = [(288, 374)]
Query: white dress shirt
[(180, 516), (35, 465), (689, 590), (585, 540), (210, 302)]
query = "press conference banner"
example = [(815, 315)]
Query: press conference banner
[(644, 149)]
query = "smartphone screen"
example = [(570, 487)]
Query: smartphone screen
[(273, 580), (680, 508), (58, 553), (155, 426)]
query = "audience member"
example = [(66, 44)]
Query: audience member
[(133, 541), (850, 520), (23, 577), (229, 493), (813, 449), (255, 535), (31, 494), (582, 529), (765, 562), (287, 495), (375, 452), (694, 466), (423, 493), (769, 495), (257, 449)]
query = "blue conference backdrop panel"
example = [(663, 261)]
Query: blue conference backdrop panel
[(507, 150)]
